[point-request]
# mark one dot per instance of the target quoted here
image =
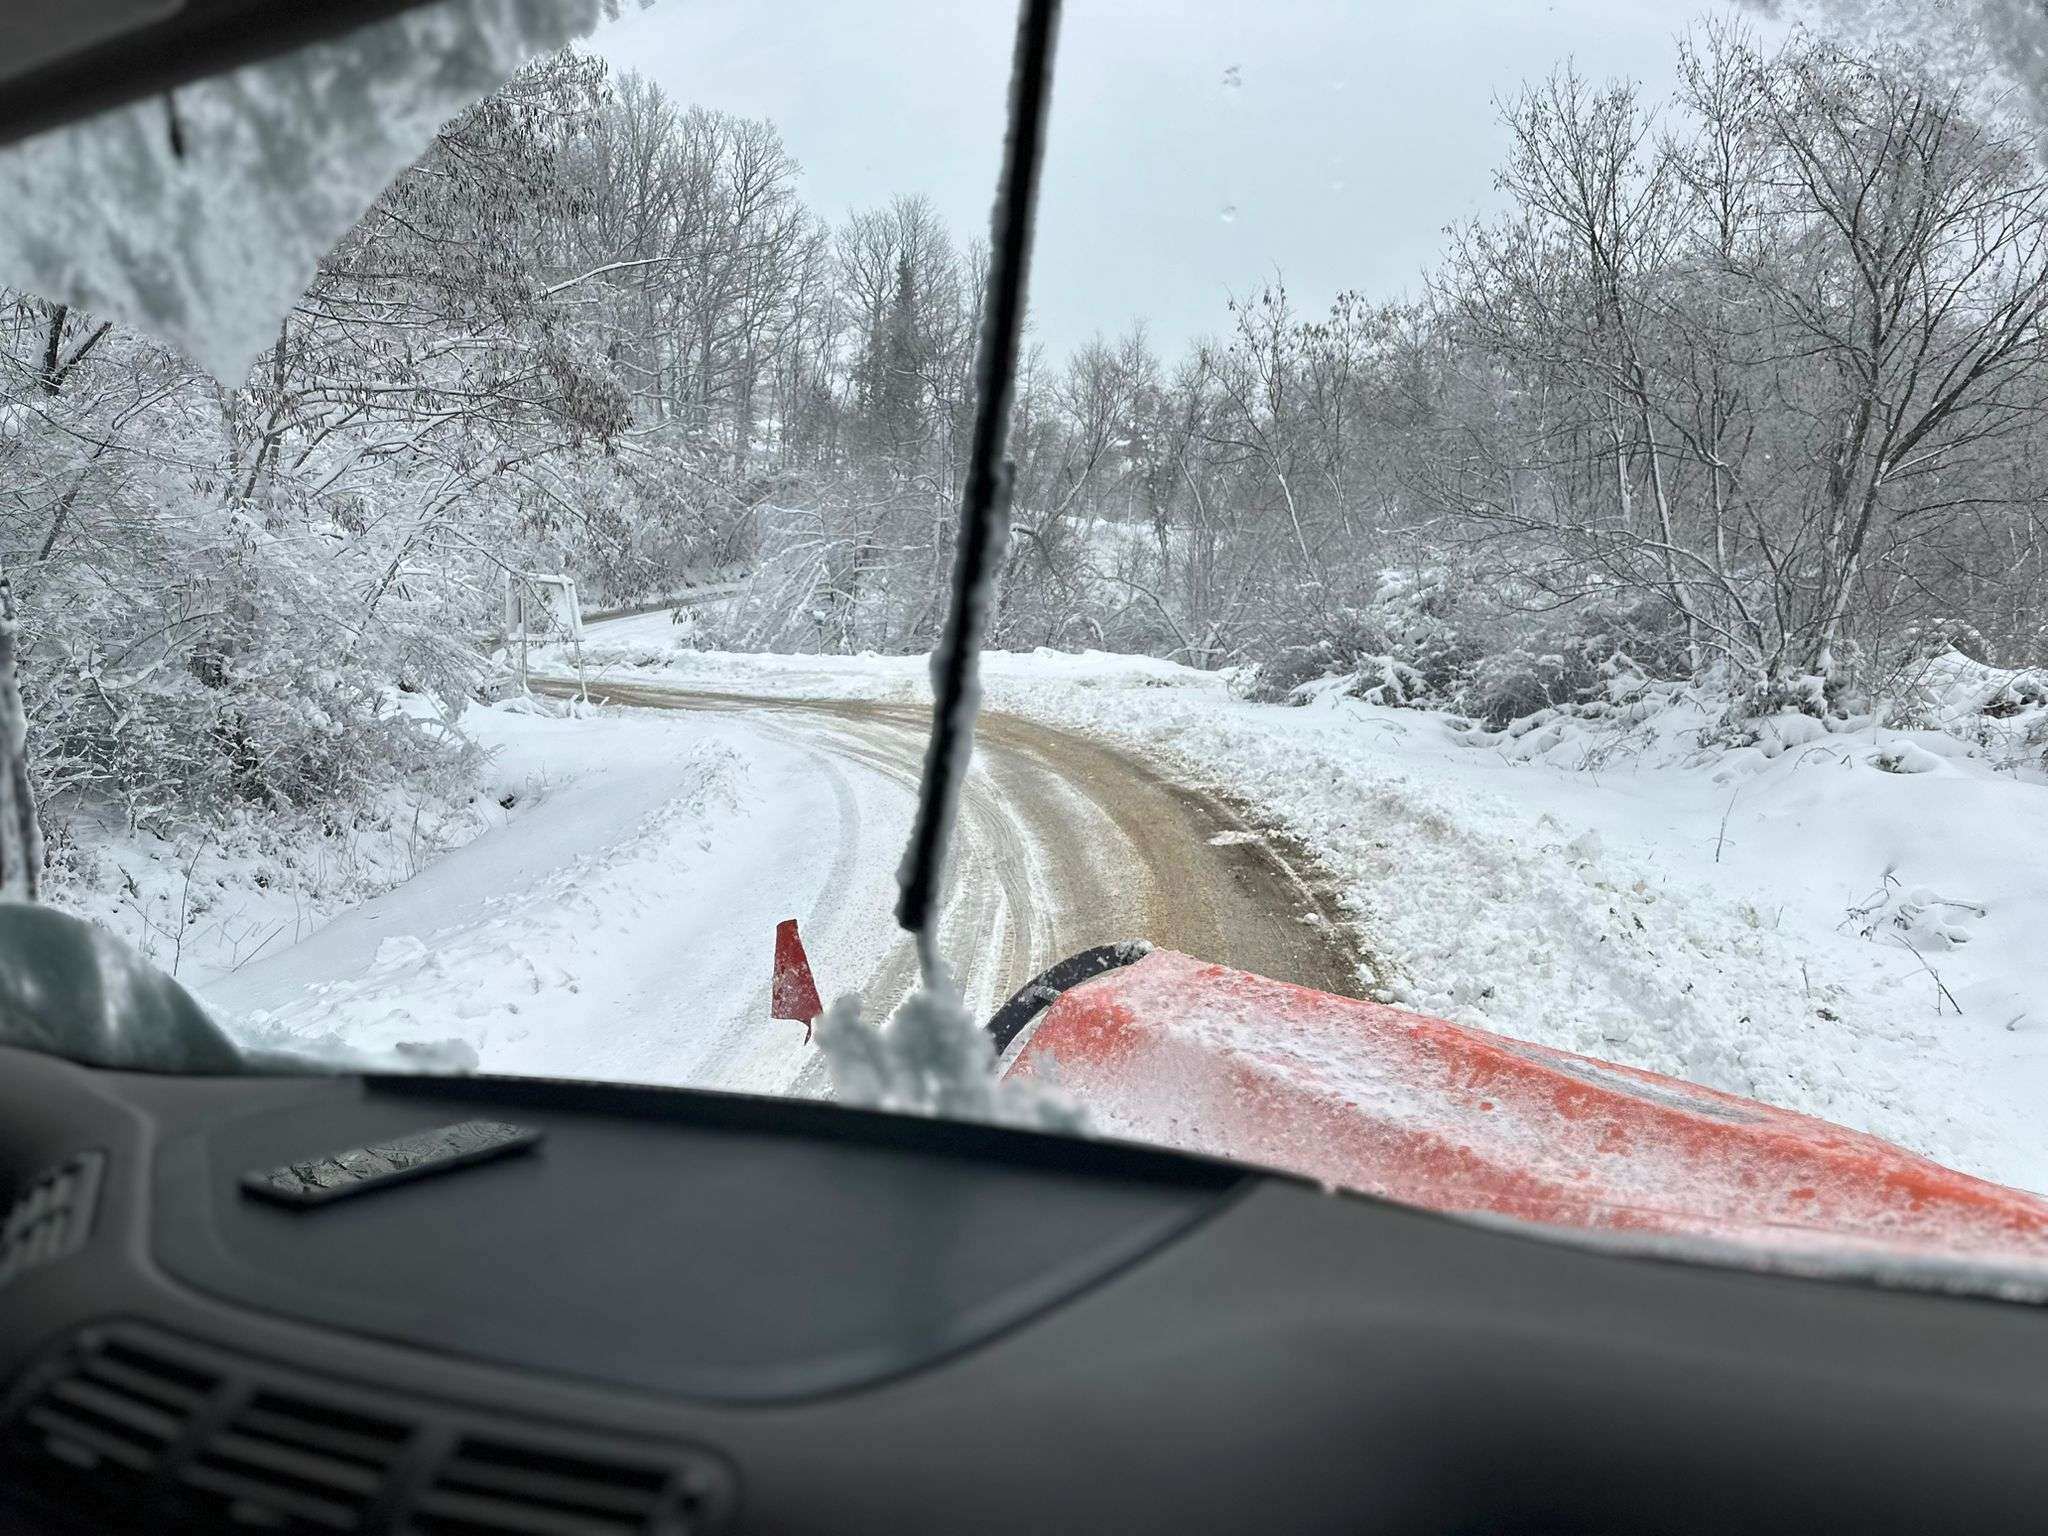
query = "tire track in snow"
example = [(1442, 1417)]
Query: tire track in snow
[(990, 890)]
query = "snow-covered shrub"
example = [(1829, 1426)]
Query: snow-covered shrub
[(1920, 917), (1440, 639), (1904, 757), (1426, 619), (1590, 653), (1349, 640), (1518, 682), (1406, 647), (2000, 711), (254, 677)]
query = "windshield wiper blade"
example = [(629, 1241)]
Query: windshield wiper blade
[(985, 503)]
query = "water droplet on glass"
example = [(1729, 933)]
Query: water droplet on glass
[(1229, 213)]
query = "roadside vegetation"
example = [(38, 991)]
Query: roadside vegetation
[(1740, 399)]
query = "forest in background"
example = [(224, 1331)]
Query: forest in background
[(1744, 391)]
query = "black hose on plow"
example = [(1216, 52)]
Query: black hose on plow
[(1044, 989)]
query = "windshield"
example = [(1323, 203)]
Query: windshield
[(1511, 648)]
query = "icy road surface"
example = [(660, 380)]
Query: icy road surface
[(621, 925)]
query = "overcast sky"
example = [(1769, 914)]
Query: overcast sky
[(1359, 130)]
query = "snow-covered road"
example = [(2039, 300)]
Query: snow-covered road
[(619, 924), (1703, 911)]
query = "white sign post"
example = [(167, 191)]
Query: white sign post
[(541, 607)]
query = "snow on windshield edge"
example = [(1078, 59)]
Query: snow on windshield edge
[(209, 243)]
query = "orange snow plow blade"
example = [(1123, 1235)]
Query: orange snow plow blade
[(1435, 1114)]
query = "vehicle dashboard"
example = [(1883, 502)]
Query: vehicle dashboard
[(698, 1312)]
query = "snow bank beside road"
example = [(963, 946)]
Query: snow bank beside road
[(207, 901), (532, 948), (1623, 908)]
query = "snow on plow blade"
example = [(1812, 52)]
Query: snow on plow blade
[(1438, 1115)]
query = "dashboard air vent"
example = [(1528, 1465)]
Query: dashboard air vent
[(50, 1218), (490, 1487), (105, 1420), (283, 1462), (135, 1431)]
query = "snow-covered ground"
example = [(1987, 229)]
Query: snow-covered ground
[(1796, 920), (203, 904), (616, 924)]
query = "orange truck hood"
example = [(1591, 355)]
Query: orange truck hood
[(1434, 1114)]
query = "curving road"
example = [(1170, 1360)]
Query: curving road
[(603, 933), (1063, 844)]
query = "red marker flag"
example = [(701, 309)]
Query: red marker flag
[(792, 993)]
